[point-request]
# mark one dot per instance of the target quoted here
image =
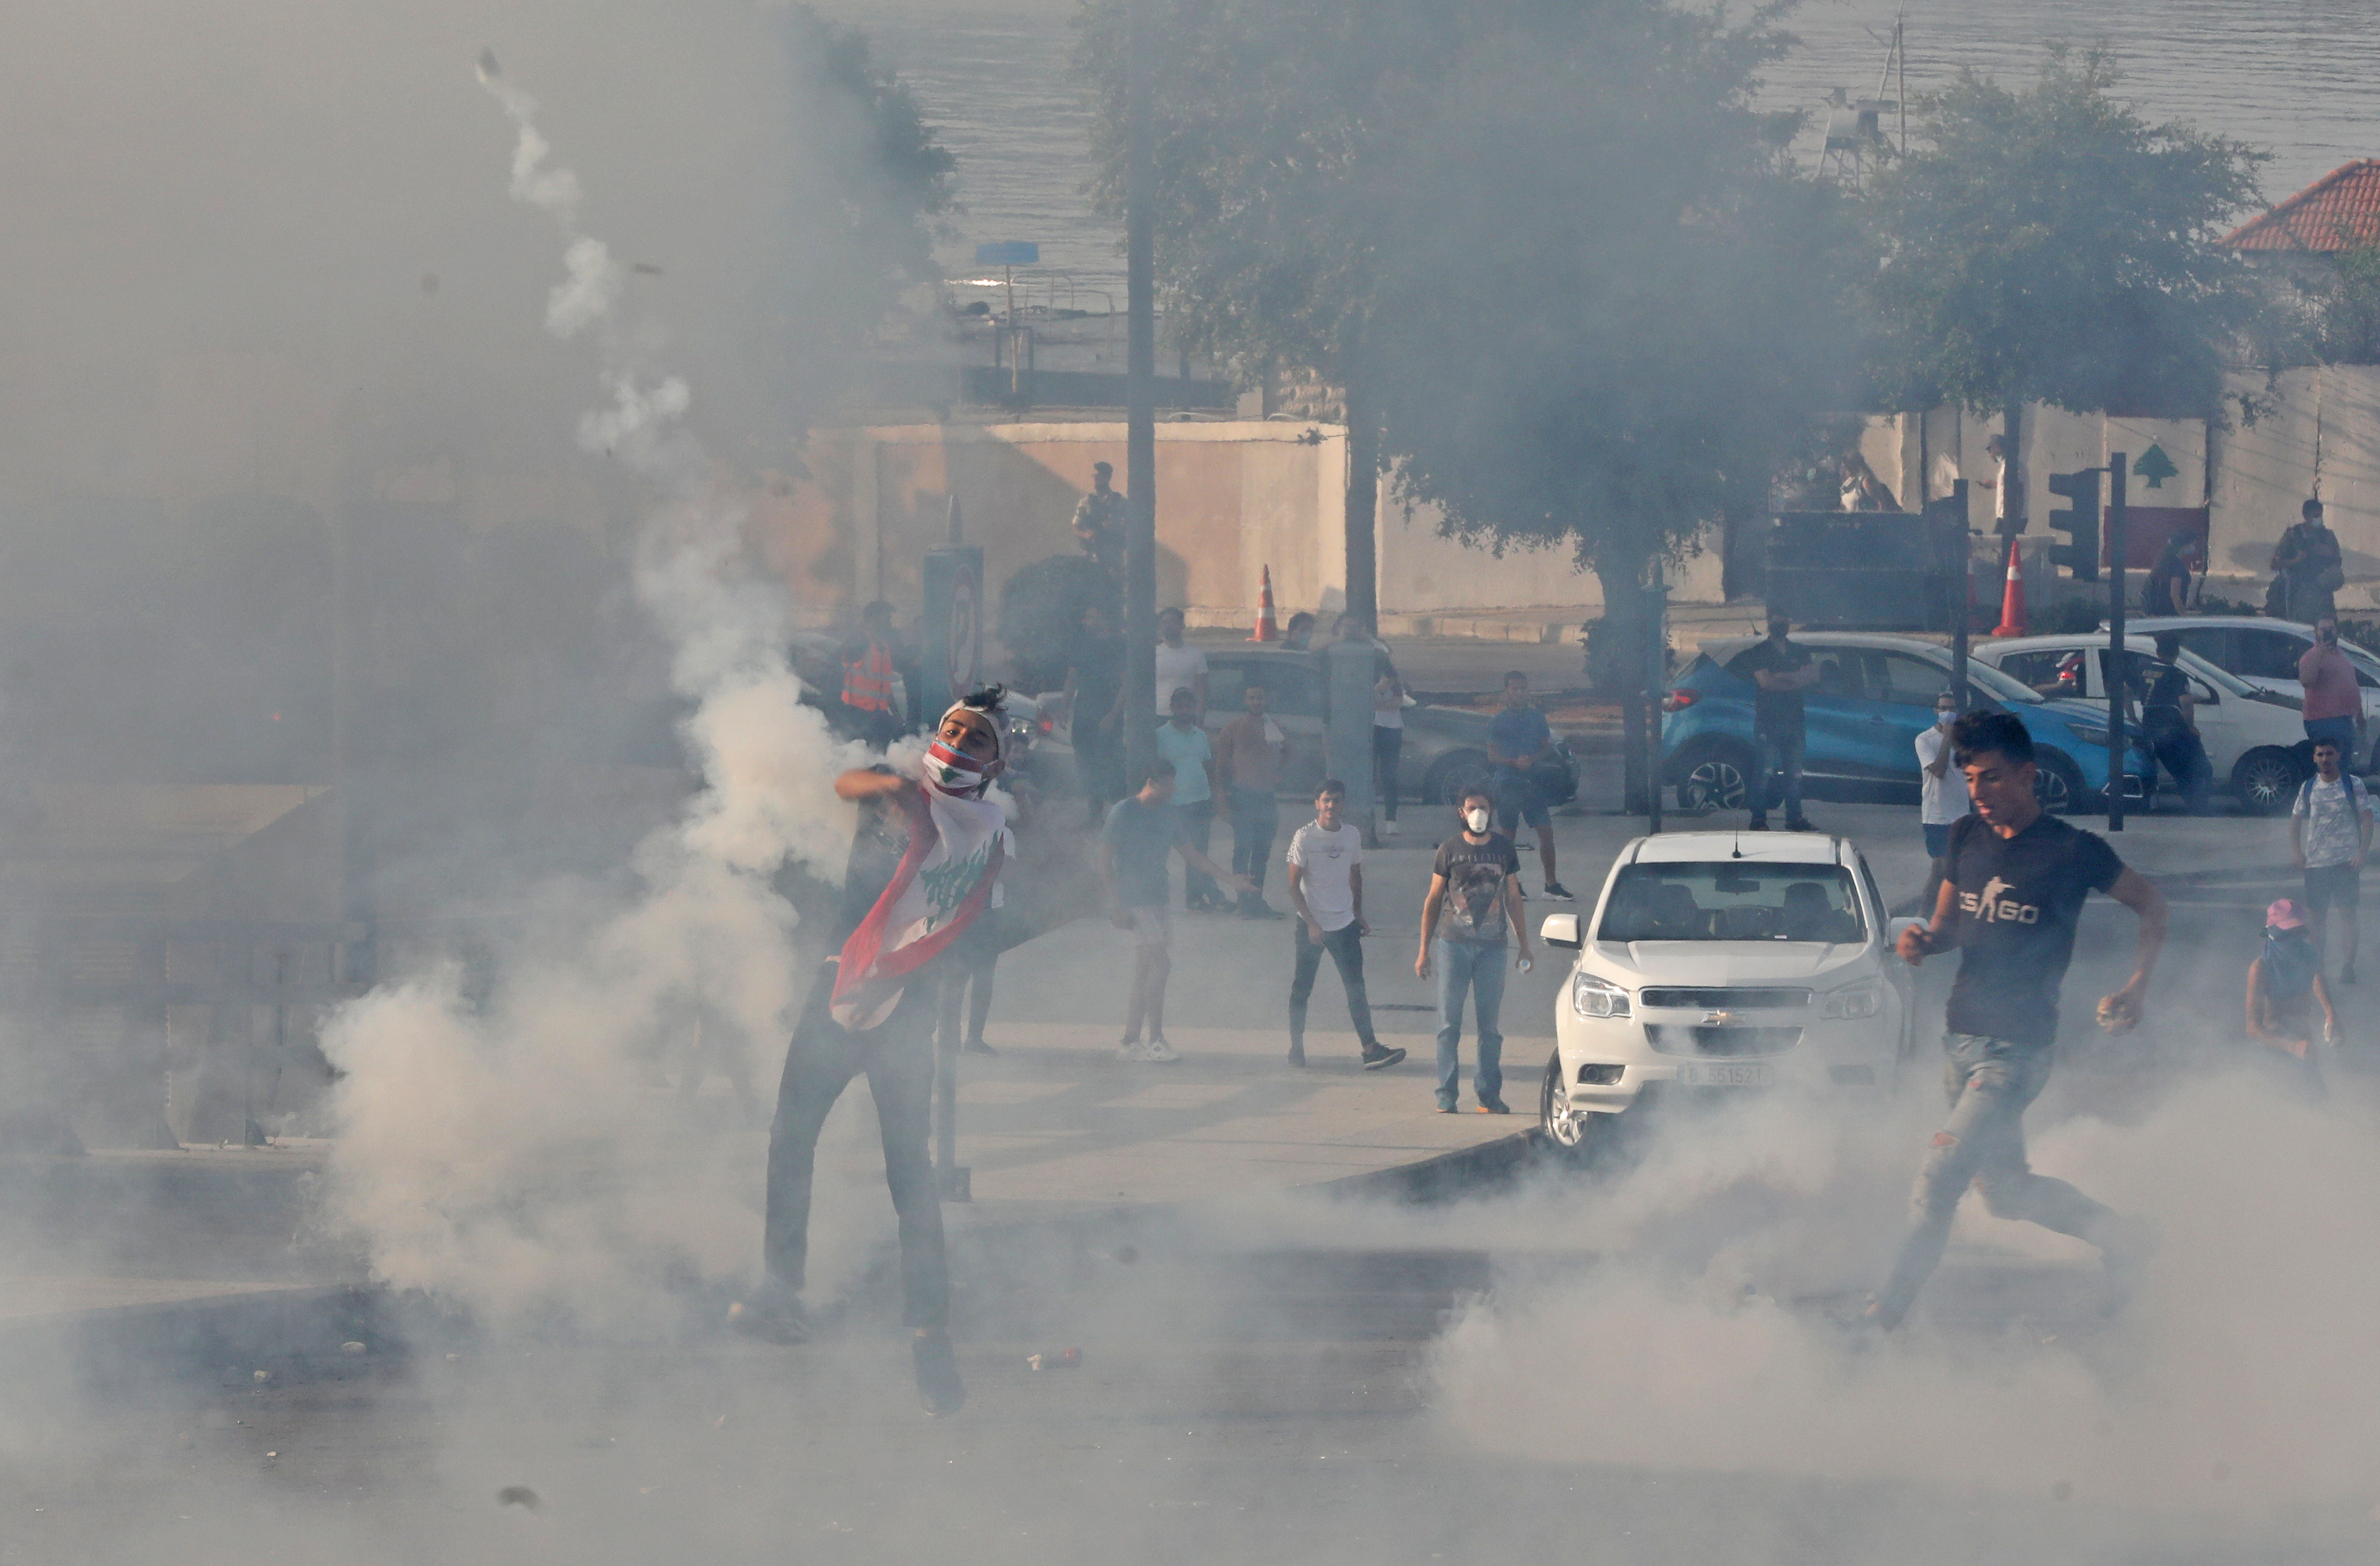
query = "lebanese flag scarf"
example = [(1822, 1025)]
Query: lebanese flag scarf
[(944, 883)]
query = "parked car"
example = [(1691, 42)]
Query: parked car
[(2254, 740), (2265, 653), (1445, 747), (1874, 697), (1725, 961)]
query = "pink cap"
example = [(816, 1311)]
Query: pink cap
[(2285, 913)]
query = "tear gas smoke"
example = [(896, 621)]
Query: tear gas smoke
[(508, 1154), (2239, 1380)]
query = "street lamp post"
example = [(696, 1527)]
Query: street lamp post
[(1140, 410)]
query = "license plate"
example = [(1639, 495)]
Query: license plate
[(1728, 1073)]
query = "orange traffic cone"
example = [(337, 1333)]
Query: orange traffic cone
[(2013, 600), (1267, 629)]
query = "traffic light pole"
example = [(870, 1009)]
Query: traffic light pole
[(2118, 664)]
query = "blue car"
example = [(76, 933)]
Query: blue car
[(1874, 697)]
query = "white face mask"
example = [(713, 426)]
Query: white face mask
[(1477, 819), (1942, 716)]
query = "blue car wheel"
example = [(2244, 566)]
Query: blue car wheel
[(2055, 783), (1712, 777)]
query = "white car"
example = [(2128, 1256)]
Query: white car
[(2253, 738), (2265, 653), (1725, 960)]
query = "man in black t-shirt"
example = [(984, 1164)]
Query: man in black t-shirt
[(2014, 881), (1781, 670), (1474, 896)]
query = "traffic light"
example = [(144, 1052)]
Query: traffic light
[(2081, 519)]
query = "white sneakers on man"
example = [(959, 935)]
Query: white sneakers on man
[(1155, 1052)]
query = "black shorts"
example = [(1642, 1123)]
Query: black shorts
[(2332, 886)]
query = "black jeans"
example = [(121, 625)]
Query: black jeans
[(1388, 748), (2184, 754), (898, 1056), (1345, 945), (1196, 821), (1255, 822), (1779, 758)]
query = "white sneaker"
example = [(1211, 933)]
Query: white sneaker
[(1132, 1050), (1157, 1052), (1388, 828)]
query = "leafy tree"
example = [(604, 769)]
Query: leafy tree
[(1545, 247), (2053, 246), (1041, 609), (2345, 307)]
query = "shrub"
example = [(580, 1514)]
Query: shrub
[(1041, 611)]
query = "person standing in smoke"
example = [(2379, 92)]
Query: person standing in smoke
[(2013, 882), (2285, 984), (922, 873)]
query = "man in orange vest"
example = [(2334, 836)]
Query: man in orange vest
[(868, 707)]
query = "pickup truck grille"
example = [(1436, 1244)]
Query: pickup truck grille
[(1670, 1040), (1726, 1000)]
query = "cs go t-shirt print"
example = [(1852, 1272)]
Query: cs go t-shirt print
[(2020, 899)]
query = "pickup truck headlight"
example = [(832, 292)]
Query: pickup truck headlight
[(1592, 997), (1854, 1000)]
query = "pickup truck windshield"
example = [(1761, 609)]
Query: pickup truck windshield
[(1733, 900)]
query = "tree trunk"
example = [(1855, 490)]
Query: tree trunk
[(1619, 642), (1363, 507)]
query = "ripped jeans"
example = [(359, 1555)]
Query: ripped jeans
[(1990, 1082)]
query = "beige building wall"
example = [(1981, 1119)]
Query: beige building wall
[(1233, 498), (2317, 433)]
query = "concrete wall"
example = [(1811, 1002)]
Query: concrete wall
[(1232, 498), (2316, 432), (1423, 573)]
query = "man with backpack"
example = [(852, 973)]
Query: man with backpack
[(2330, 836)]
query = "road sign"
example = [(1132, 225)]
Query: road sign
[(1008, 252)]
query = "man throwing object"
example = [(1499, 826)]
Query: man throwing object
[(2014, 880)]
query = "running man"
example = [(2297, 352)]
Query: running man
[(2014, 880), (923, 871)]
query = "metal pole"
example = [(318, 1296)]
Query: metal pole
[(1140, 410), (1962, 604), (2116, 746), (1656, 669)]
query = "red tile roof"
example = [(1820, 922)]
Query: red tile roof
[(2338, 212)]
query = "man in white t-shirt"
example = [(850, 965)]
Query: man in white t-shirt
[(1179, 666), (1325, 890), (1942, 788), (2330, 834)]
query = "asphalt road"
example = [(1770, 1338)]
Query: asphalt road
[(1294, 1383)]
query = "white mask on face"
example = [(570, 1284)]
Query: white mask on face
[(1476, 818), (1942, 716)]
